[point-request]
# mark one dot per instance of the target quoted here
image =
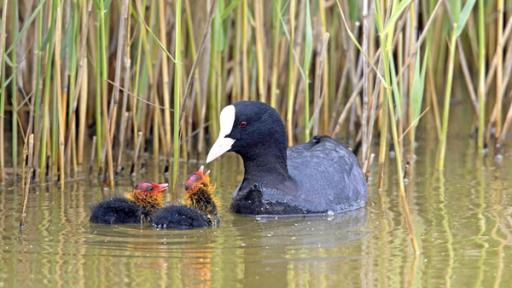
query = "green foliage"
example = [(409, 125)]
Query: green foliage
[(464, 15), (354, 10), (418, 85), (396, 12)]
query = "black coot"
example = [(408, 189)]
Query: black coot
[(180, 217), (200, 209), (321, 176), (136, 207)]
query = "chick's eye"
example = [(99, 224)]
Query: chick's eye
[(243, 124), (149, 188)]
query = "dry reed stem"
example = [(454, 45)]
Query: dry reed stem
[(260, 46), (494, 62), (165, 78), (467, 77), (3, 36), (499, 65)]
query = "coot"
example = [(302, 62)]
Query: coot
[(200, 209), (320, 176), (136, 207)]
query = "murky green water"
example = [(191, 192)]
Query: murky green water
[(462, 220)]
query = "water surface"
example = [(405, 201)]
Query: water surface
[(462, 221)]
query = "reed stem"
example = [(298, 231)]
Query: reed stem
[(178, 82), (447, 97), (499, 60), (28, 178), (3, 24), (481, 80)]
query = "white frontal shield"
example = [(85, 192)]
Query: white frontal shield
[(223, 143)]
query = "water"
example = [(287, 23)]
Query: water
[(462, 220)]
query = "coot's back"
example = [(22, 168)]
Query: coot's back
[(328, 176)]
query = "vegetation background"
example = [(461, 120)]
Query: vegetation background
[(94, 85)]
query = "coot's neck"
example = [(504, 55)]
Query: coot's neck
[(266, 164), (203, 200)]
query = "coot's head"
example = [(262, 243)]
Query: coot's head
[(198, 179), (148, 194), (250, 129)]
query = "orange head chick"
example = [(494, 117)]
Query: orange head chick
[(149, 195), (200, 193)]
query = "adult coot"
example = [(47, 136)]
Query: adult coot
[(200, 209), (321, 176), (136, 207)]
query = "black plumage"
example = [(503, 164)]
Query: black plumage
[(117, 211), (180, 217), (136, 207), (201, 209), (319, 176)]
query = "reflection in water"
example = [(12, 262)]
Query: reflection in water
[(306, 250), (447, 229), (462, 218)]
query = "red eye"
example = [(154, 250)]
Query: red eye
[(243, 124)]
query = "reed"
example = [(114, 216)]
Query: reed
[(481, 79), (393, 99), (177, 92), (43, 153), (3, 25), (447, 97), (147, 81), (292, 70), (459, 16), (28, 178), (499, 60), (14, 84), (308, 54), (165, 76), (260, 43)]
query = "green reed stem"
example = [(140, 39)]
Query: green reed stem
[(386, 40), (447, 97), (48, 77), (292, 72), (260, 45), (308, 54), (37, 84), (99, 78), (177, 93), (276, 28), (102, 87)]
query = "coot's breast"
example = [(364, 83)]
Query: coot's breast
[(328, 176)]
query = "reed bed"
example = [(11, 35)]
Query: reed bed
[(104, 86)]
